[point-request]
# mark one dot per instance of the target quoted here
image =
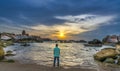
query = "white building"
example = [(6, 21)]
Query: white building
[(113, 39), (20, 37), (5, 37)]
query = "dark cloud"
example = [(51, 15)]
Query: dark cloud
[(43, 12)]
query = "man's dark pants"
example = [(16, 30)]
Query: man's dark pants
[(56, 59)]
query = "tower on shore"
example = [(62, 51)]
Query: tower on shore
[(23, 32)]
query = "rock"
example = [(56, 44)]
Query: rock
[(105, 53), (10, 53), (109, 60), (118, 49), (1, 53)]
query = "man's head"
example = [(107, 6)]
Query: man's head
[(56, 45)]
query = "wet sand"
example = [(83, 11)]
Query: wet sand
[(33, 67)]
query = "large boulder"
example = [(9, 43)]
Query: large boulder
[(1, 53), (118, 49), (105, 53)]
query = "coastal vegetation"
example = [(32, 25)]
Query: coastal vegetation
[(6, 43), (94, 43)]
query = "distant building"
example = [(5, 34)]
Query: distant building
[(5, 37), (17, 37), (111, 39)]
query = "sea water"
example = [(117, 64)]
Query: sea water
[(72, 54)]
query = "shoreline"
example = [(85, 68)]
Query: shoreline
[(31, 66), (4, 66)]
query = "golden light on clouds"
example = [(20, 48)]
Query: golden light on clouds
[(74, 27), (59, 35)]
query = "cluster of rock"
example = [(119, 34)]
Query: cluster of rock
[(3, 53), (109, 55)]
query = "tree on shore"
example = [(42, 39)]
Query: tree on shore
[(95, 41)]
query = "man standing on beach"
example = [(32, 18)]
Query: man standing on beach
[(56, 55)]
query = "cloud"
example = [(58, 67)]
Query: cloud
[(25, 18), (6, 20), (88, 21), (61, 13), (75, 24)]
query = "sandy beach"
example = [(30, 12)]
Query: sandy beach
[(33, 67)]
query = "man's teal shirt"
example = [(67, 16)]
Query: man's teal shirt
[(56, 52)]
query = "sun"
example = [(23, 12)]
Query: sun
[(61, 35)]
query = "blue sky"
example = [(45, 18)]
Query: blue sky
[(76, 19)]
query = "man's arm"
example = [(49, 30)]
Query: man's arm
[(59, 51)]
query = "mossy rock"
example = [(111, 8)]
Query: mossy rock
[(109, 60), (1, 53), (9, 53)]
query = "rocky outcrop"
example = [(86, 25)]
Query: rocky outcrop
[(118, 49), (1, 53), (109, 55), (105, 53)]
